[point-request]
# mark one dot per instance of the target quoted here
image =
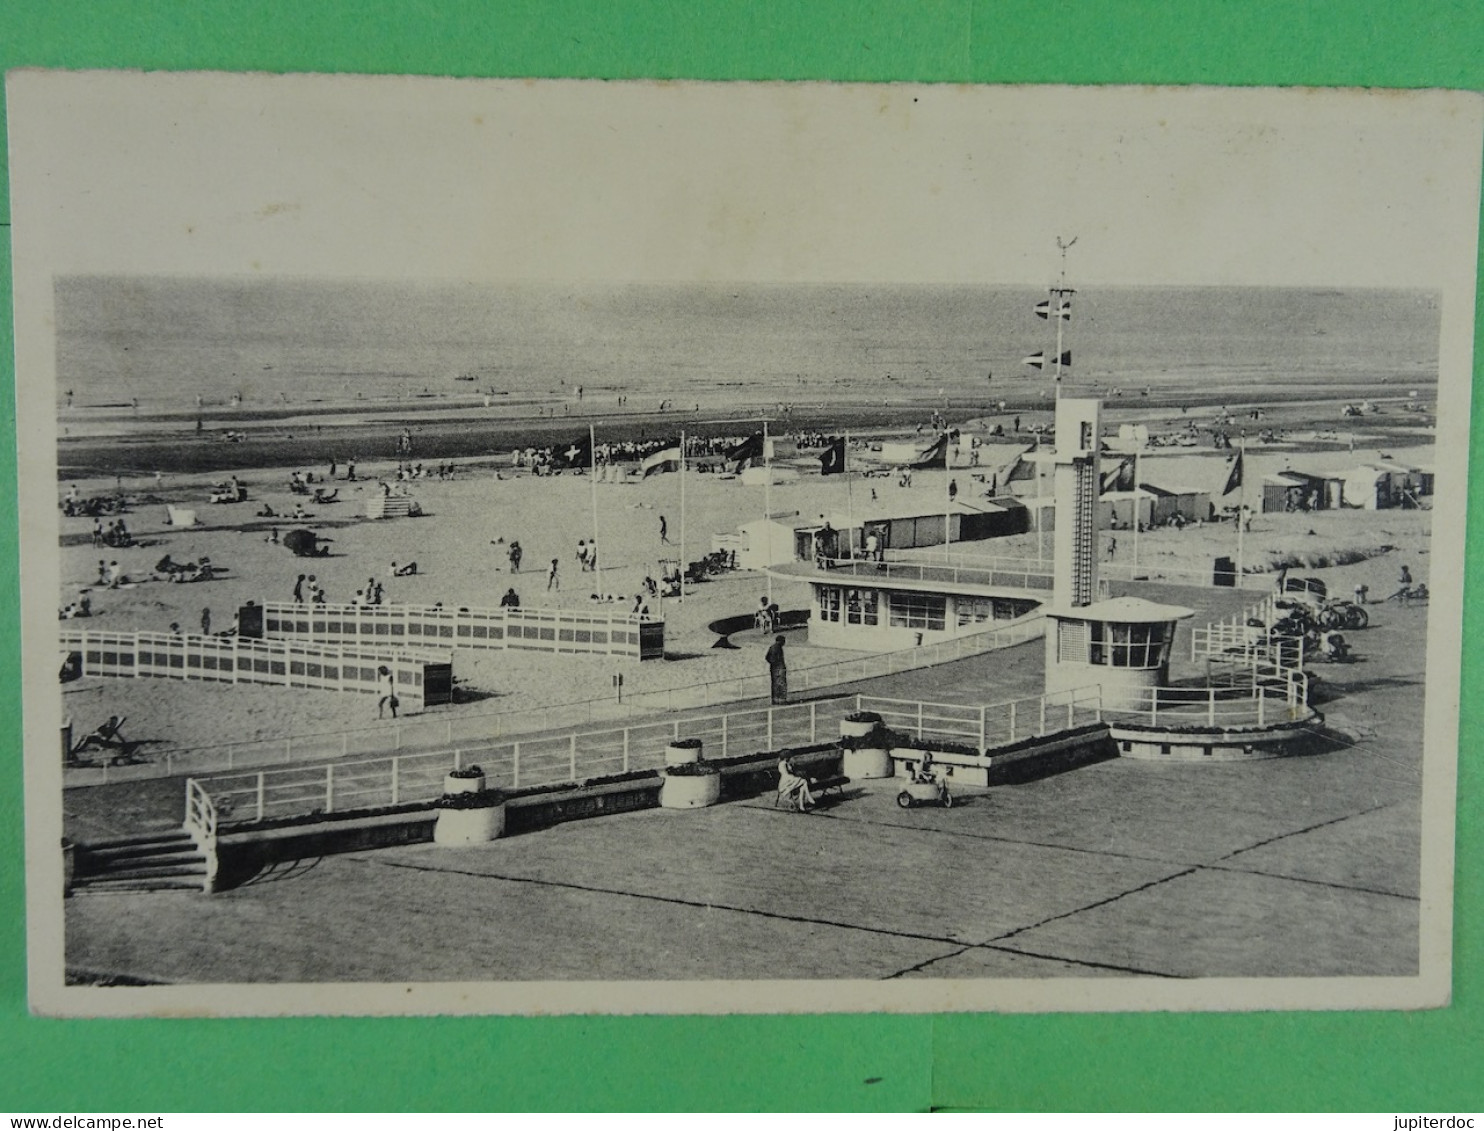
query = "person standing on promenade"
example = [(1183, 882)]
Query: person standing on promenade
[(515, 555), (552, 582), (777, 671), (206, 622), (664, 531), (299, 590)]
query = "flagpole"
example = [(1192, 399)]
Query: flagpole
[(1241, 505), (1137, 501), (768, 505), (849, 497), (947, 502), (592, 446), (682, 515)]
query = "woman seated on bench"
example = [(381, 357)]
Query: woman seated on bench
[(793, 788)]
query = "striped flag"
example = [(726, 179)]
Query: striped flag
[(667, 460), (1064, 311)]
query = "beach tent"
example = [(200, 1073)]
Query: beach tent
[(767, 542), (1375, 486)]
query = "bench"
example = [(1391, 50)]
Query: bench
[(819, 786)]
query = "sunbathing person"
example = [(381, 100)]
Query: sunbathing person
[(109, 736)]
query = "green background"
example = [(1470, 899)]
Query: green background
[(1335, 1061)]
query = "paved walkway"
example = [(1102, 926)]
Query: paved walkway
[(1294, 867)]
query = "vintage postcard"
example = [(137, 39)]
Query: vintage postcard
[(540, 547)]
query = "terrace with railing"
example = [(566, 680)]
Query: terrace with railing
[(450, 731), (579, 756)]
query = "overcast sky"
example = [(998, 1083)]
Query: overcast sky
[(423, 178)]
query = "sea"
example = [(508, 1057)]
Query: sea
[(172, 344)]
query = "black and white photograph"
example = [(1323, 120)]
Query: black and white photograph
[(559, 547)]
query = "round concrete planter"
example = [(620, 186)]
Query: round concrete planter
[(459, 783), (469, 826), (691, 791), (683, 752), (866, 762), (859, 725)]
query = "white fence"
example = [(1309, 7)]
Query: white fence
[(989, 725), (583, 755), (409, 736), (235, 659), (604, 632), (1020, 575)]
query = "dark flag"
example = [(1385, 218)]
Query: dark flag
[(832, 459), (1064, 311), (747, 451), (1234, 476), (1121, 478), (935, 458), (579, 453)]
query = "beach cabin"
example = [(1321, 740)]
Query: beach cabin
[(1186, 504), (1290, 490), (1119, 510), (965, 522), (1121, 645)]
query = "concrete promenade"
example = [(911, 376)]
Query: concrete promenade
[(1295, 867)]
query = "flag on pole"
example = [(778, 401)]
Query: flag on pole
[(1040, 360), (1233, 476), (1064, 311), (832, 459), (935, 457), (1120, 478), (579, 453), (747, 451), (666, 460)]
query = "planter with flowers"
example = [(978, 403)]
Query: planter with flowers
[(690, 785), (468, 813), (865, 746), (683, 751)]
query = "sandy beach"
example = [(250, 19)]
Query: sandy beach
[(461, 547)]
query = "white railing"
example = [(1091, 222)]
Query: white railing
[(235, 659), (991, 725), (542, 760), (604, 632), (200, 816), (1018, 578), (1187, 708), (583, 755), (412, 735)]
